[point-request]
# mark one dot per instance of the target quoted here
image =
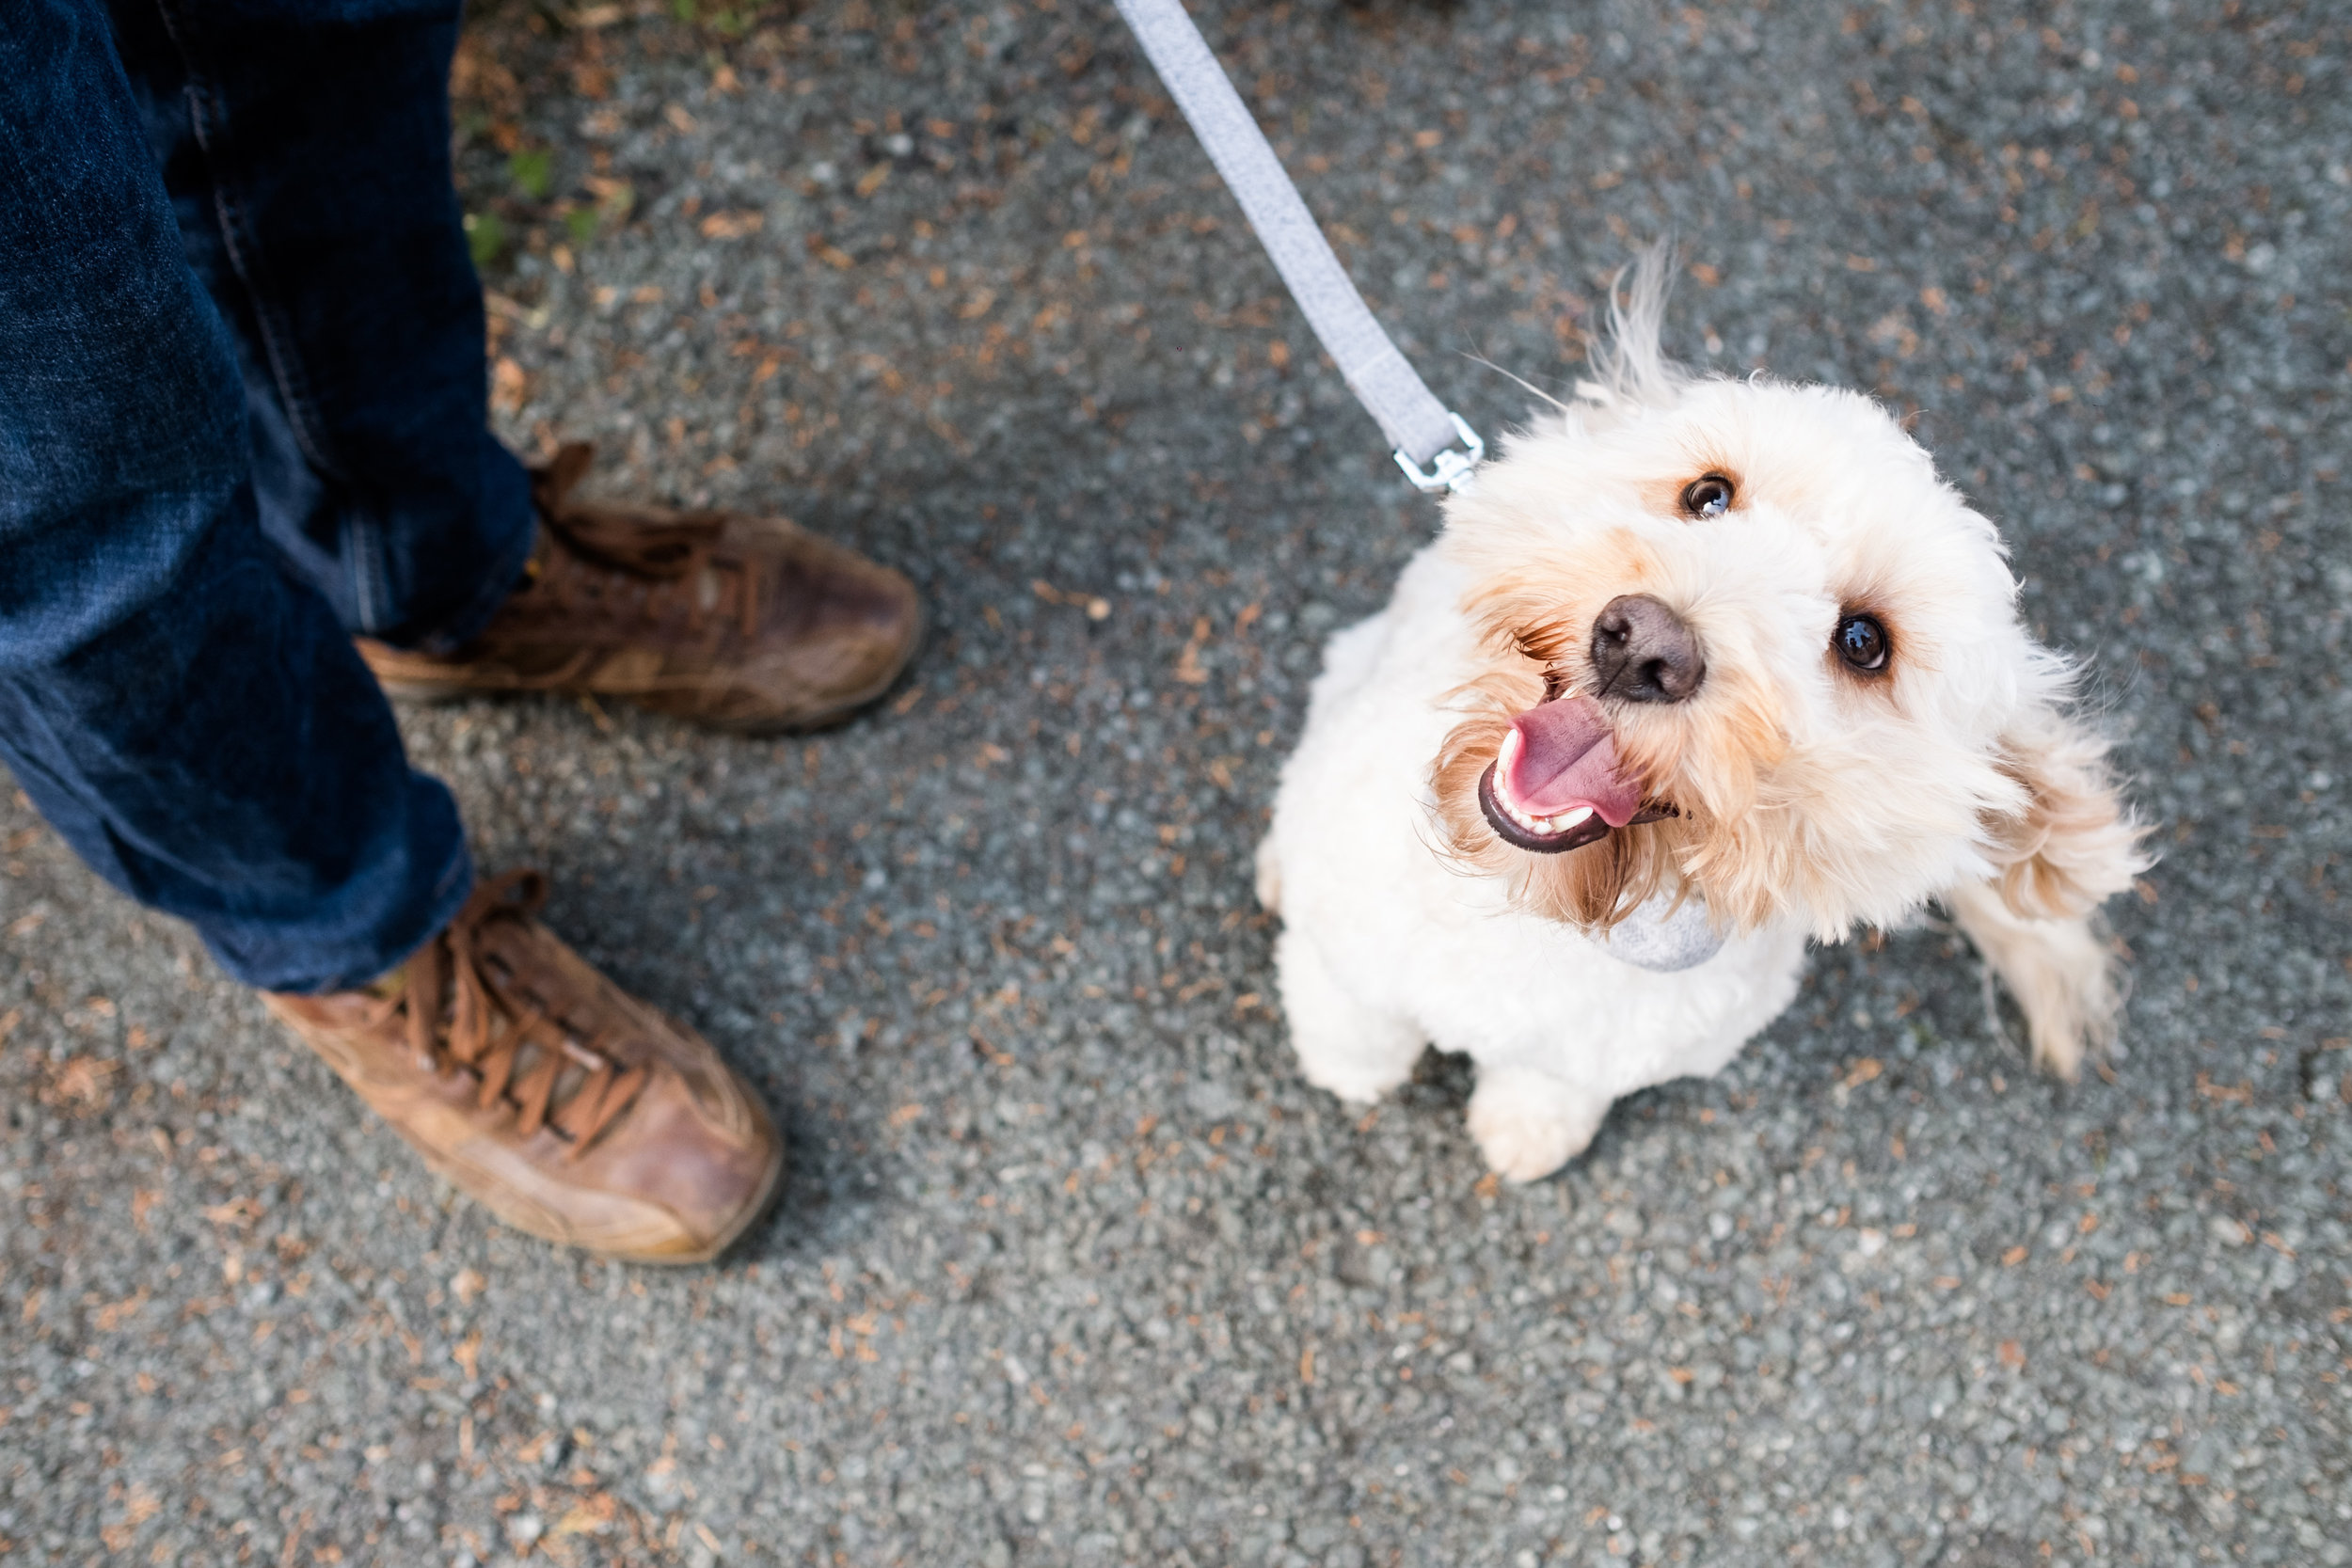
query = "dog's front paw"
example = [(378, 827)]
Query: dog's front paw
[(1358, 1051), (1529, 1126), (1356, 1080)]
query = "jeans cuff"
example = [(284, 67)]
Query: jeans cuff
[(398, 944), (507, 477)]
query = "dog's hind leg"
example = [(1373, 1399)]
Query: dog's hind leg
[(1530, 1124), (1356, 1050)]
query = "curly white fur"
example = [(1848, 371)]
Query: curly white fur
[(1811, 798)]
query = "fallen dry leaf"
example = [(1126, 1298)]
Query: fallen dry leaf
[(509, 387)]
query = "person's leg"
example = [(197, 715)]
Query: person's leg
[(304, 144), (190, 716), (195, 719)]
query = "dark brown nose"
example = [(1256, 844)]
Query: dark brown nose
[(1642, 652)]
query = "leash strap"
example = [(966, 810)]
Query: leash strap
[(1434, 446)]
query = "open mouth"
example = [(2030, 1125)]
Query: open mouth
[(1555, 784)]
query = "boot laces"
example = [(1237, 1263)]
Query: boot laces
[(628, 567), (469, 1013)]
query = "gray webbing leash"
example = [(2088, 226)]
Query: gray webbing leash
[(1423, 430)]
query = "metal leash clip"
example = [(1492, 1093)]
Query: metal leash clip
[(1449, 471), (1407, 412)]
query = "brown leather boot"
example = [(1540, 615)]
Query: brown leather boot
[(545, 1092), (741, 622)]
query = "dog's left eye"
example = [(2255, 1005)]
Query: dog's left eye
[(1707, 496), (1861, 642)]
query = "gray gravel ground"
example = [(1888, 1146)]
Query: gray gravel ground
[(1071, 1268)]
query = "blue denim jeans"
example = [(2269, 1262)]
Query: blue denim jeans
[(242, 418)]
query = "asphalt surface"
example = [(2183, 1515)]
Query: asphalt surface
[(1070, 1267)]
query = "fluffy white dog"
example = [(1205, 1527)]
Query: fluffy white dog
[(1696, 655)]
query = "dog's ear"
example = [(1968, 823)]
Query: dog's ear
[(2070, 845), (2065, 847)]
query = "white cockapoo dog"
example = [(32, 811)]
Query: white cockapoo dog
[(1699, 669)]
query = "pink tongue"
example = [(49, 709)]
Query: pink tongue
[(1560, 756)]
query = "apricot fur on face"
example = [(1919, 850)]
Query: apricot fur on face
[(1827, 699)]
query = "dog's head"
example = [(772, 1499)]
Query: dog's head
[(1740, 639)]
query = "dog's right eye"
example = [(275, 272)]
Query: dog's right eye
[(1709, 495), (1861, 642)]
